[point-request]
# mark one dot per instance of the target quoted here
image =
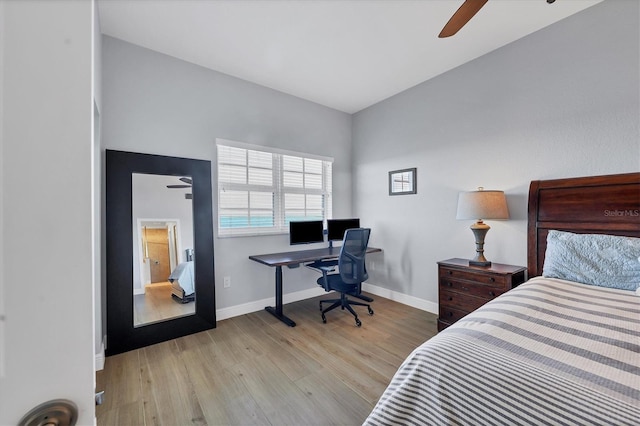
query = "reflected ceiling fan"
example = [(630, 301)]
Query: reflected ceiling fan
[(188, 183), (459, 19)]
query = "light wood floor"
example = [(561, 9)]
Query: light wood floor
[(254, 370), (156, 304)]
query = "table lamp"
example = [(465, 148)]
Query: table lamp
[(479, 205)]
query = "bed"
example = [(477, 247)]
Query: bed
[(553, 350), (183, 283)]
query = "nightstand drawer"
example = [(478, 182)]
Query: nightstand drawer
[(495, 280), (449, 315), (484, 291), (463, 288), (463, 302)]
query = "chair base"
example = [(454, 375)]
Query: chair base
[(361, 297), (344, 303)]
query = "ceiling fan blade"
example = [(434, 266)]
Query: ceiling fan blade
[(186, 180), (461, 17), (178, 186)]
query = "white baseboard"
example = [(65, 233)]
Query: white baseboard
[(405, 299), (258, 305)]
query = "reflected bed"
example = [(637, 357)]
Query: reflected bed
[(182, 282)]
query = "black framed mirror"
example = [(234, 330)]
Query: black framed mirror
[(126, 247)]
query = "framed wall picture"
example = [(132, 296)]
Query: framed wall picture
[(402, 182)]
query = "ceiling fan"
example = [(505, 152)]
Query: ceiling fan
[(464, 13), (187, 184)]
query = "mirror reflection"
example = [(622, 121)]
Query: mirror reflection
[(163, 256)]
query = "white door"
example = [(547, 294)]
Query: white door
[(46, 193)]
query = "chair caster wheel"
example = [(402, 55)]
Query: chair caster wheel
[(370, 310), (358, 322)]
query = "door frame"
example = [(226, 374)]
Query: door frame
[(173, 260)]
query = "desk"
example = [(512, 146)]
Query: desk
[(291, 258)]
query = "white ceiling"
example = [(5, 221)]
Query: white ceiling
[(345, 54)]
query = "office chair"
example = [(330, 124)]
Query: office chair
[(352, 272)]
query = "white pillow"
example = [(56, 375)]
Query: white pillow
[(602, 260)]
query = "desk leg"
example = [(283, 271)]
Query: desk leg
[(277, 311)]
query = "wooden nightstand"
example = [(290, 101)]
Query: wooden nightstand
[(463, 289)]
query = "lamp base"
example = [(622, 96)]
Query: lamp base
[(479, 230), (479, 263)]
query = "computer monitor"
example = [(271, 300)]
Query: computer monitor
[(306, 232), (336, 228)]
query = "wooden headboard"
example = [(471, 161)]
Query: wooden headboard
[(594, 205)]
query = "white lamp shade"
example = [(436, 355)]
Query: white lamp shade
[(481, 204)]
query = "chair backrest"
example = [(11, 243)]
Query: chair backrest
[(352, 255)]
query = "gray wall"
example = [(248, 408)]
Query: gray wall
[(561, 102), (157, 104)]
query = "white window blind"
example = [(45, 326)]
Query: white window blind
[(402, 182), (260, 190)]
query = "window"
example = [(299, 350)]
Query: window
[(260, 190)]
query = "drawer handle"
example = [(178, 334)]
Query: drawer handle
[(450, 314), (450, 272), (492, 294), (450, 298), (493, 280), (450, 284)]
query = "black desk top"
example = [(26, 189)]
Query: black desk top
[(301, 256)]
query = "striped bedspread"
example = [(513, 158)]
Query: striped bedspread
[(549, 352)]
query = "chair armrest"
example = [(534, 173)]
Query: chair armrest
[(323, 265), (324, 279)]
